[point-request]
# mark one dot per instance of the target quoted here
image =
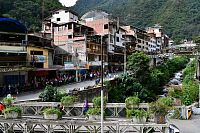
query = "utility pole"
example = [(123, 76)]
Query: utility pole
[(125, 58), (102, 74)]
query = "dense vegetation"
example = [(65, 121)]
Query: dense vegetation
[(144, 81), (180, 18), (190, 92), (29, 12)]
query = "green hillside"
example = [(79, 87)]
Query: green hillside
[(28, 12), (180, 18)]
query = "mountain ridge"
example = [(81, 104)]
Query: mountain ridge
[(180, 18)]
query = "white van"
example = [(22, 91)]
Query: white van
[(173, 129)]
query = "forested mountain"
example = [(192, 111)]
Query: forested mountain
[(29, 12), (180, 18)]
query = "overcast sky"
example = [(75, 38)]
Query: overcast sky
[(68, 3)]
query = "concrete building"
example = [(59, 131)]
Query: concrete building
[(130, 39), (162, 39), (77, 45), (60, 16), (20, 55), (153, 49), (107, 26), (142, 40)]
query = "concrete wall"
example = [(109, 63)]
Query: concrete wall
[(64, 16)]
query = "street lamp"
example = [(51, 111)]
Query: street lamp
[(102, 73), (125, 58)]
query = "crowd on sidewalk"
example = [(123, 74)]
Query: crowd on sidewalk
[(38, 83)]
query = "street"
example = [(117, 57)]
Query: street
[(34, 94), (187, 126)]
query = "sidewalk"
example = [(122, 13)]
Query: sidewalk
[(187, 126), (33, 95)]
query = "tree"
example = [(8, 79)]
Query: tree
[(138, 65)]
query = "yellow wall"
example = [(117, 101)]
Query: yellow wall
[(45, 53)]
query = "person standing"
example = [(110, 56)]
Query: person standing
[(85, 107)]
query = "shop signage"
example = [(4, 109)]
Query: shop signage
[(39, 58)]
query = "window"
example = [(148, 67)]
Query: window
[(57, 12), (117, 39), (58, 19), (111, 38), (105, 26), (69, 36), (70, 26)]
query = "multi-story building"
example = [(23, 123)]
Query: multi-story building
[(77, 47), (60, 16), (152, 44), (142, 40), (21, 54), (107, 26), (129, 39), (162, 40)]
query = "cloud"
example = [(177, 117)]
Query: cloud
[(68, 3)]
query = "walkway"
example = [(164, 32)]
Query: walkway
[(34, 94)]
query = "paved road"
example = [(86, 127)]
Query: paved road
[(188, 126), (34, 95)]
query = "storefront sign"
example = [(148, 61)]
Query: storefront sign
[(39, 58), (69, 65)]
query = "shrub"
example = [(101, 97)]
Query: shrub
[(68, 100), (52, 111), (94, 111), (132, 102), (8, 101), (162, 105), (97, 101), (139, 114), (51, 94), (13, 109)]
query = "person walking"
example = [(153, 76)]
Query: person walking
[(85, 107)]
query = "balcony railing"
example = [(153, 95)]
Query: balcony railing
[(10, 43)]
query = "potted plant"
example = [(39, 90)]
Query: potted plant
[(133, 111), (95, 112), (68, 100), (12, 112), (8, 100), (132, 102), (160, 108), (140, 115), (52, 114)]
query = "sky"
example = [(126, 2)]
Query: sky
[(68, 3)]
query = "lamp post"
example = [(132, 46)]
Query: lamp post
[(125, 58), (102, 74), (77, 65)]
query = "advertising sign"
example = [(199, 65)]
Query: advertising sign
[(69, 65), (39, 58)]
